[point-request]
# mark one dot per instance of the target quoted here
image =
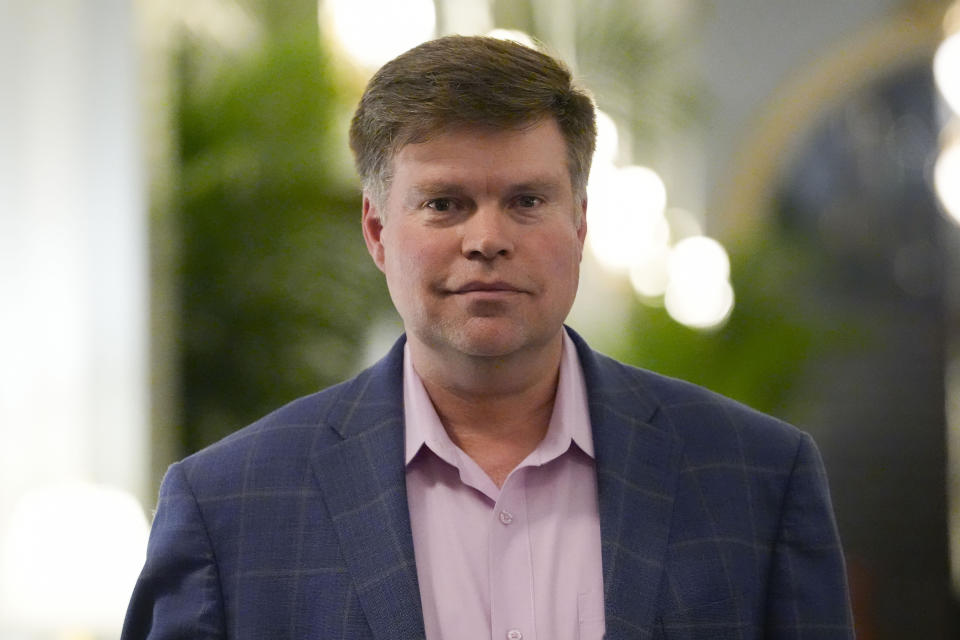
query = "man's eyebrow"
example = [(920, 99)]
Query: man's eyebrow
[(438, 189), (427, 189)]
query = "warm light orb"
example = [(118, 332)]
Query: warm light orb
[(650, 274), (699, 305), (373, 32), (699, 294), (946, 71), (946, 179), (625, 215), (646, 186), (699, 258)]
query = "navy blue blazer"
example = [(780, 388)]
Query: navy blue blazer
[(715, 521)]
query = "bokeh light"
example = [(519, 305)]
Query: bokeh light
[(625, 215), (650, 274), (630, 231), (373, 32), (946, 71), (699, 293), (699, 305), (946, 178), (699, 258)]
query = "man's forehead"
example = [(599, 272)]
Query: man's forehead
[(426, 131), (540, 145), (472, 133)]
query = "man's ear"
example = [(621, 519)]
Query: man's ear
[(372, 224)]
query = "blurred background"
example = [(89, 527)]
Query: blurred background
[(774, 214)]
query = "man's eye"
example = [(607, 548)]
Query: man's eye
[(440, 204), (528, 202)]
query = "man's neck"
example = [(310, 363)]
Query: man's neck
[(497, 410)]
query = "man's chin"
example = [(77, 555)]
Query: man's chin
[(487, 346), (491, 338)]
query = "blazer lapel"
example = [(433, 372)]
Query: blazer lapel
[(362, 479), (637, 468)]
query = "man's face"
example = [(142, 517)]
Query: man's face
[(480, 238)]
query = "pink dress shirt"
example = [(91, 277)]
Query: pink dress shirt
[(521, 562)]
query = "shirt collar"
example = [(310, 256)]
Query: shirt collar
[(571, 414), (570, 420), (422, 425)]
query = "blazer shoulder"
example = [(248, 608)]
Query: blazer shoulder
[(708, 423), (278, 444), (276, 449)]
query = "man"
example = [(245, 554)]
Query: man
[(492, 477)]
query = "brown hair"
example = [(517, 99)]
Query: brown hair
[(467, 81)]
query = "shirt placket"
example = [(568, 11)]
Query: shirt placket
[(511, 565)]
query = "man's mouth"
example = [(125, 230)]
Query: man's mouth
[(478, 286)]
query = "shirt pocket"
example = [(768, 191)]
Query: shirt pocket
[(590, 615)]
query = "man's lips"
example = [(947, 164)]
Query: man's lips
[(486, 287)]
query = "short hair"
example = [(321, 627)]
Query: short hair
[(464, 81)]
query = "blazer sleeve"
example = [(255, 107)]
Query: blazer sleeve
[(807, 587), (178, 593)]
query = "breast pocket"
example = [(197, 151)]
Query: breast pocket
[(590, 615), (712, 621)]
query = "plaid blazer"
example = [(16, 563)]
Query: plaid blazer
[(715, 521)]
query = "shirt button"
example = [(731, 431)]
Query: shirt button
[(514, 634), (506, 518)]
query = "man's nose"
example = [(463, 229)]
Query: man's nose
[(487, 234)]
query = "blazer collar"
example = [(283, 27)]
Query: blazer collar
[(638, 463)]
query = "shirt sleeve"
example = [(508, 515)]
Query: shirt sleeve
[(807, 588), (178, 593)]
